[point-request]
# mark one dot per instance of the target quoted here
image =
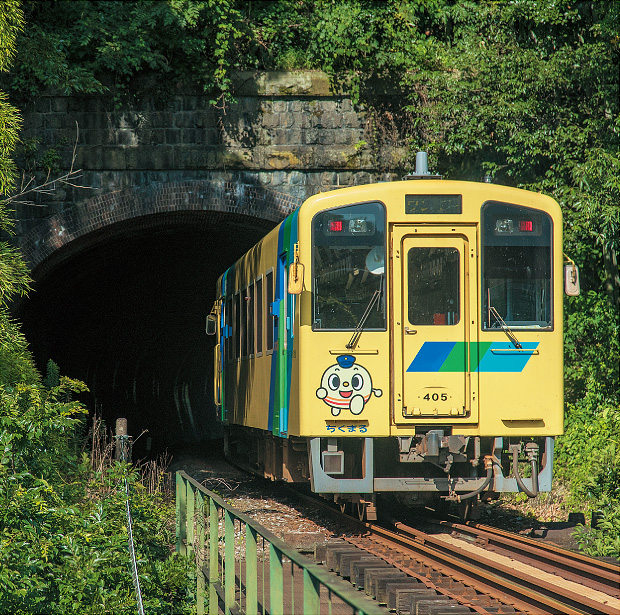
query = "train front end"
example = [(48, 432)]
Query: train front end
[(429, 341)]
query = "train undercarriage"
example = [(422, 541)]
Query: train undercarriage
[(431, 468)]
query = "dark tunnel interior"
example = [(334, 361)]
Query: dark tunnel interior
[(124, 311)]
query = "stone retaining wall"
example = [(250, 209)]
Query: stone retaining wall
[(287, 133)]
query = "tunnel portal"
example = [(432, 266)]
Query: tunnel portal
[(123, 309)]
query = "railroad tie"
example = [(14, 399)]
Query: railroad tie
[(443, 607), (347, 560), (358, 571), (333, 556), (321, 548), (393, 587), (372, 577), (400, 600), (382, 582), (419, 601)]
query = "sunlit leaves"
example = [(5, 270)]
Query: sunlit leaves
[(63, 539)]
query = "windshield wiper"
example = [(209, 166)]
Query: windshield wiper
[(357, 333), (511, 336)]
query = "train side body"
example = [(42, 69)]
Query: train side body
[(423, 353)]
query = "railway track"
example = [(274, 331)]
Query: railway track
[(595, 574), (476, 568), (501, 578)]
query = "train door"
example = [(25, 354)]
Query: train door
[(278, 416), (434, 275)]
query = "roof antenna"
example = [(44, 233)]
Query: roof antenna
[(421, 168)]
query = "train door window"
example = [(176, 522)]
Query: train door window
[(237, 329), (228, 345), (269, 329), (258, 303), (348, 265), (250, 329), (433, 286), (516, 267)]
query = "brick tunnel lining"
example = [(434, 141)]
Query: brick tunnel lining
[(124, 308)]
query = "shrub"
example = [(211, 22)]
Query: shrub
[(63, 528)]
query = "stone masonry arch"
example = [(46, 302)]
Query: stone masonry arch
[(220, 199)]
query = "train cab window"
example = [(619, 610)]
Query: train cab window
[(348, 264), (433, 286), (269, 329), (516, 267)]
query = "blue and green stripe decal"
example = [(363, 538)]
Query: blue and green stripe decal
[(226, 333), (484, 357), (282, 357)]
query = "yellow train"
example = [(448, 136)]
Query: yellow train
[(400, 338)]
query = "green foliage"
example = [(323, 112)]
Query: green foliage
[(588, 457), (63, 535), (591, 350), (11, 21), (52, 375), (16, 365), (604, 540), (129, 49)]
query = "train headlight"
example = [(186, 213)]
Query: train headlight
[(504, 226), (358, 225)]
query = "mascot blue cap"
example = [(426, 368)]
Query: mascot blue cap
[(345, 360)]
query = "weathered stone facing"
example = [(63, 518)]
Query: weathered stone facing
[(287, 133), (216, 199)]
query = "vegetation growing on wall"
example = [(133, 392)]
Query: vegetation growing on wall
[(525, 91)]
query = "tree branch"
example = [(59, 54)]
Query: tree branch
[(30, 187)]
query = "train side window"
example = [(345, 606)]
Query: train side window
[(258, 303), (237, 329), (433, 286), (244, 324), (516, 267), (250, 330), (269, 316)]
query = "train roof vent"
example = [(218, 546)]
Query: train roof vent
[(421, 168)]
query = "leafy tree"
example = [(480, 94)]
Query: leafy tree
[(15, 362), (127, 49), (52, 375)]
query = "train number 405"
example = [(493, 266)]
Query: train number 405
[(436, 397)]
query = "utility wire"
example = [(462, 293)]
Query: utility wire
[(124, 448)]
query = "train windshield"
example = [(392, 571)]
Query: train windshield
[(516, 267), (348, 265)]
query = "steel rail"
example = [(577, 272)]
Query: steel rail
[(493, 588), (462, 567), (601, 572), (554, 596)]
